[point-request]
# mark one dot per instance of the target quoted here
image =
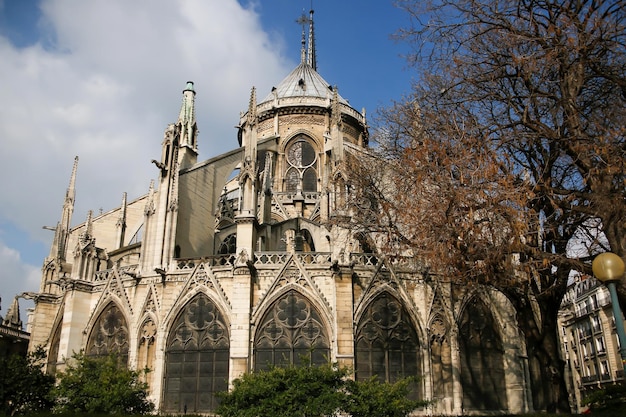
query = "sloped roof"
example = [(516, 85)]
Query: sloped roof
[(303, 81)]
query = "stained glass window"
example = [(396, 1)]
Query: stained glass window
[(291, 329), (196, 358), (109, 334), (301, 166), (482, 366), (386, 342)]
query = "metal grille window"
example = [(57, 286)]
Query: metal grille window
[(291, 329), (196, 358), (109, 334), (301, 166), (386, 342), (482, 365)]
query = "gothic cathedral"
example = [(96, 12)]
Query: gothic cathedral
[(228, 265)]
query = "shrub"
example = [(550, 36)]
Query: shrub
[(101, 385)]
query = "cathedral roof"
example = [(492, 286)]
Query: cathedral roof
[(302, 82)]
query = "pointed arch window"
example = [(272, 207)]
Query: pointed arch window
[(146, 350), (53, 352), (109, 334), (301, 170), (229, 245), (440, 357), (292, 328), (482, 364), (196, 358), (386, 342)]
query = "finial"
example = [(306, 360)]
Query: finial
[(303, 20)]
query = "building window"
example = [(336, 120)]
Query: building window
[(482, 364), (229, 245), (291, 329), (196, 358), (386, 342), (301, 173), (109, 334), (600, 347)]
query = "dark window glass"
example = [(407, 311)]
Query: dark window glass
[(292, 180), (301, 166), (482, 365), (196, 358), (291, 329), (386, 342), (229, 245), (309, 180), (109, 334)]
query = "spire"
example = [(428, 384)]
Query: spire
[(187, 117), (62, 229), (121, 223), (311, 58), (12, 318), (252, 107)]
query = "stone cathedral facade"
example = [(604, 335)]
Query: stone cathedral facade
[(229, 264)]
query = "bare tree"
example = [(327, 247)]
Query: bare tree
[(510, 149)]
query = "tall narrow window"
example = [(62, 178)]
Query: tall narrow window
[(482, 364), (386, 342), (301, 166), (196, 358), (109, 334), (291, 329), (146, 353), (53, 352)]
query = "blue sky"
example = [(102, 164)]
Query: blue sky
[(101, 79)]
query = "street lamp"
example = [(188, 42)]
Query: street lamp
[(609, 268)]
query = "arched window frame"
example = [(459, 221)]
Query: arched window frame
[(301, 165)]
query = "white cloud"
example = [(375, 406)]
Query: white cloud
[(17, 277), (107, 88)]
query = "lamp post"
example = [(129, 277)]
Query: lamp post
[(609, 268)]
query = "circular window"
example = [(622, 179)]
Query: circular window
[(301, 154)]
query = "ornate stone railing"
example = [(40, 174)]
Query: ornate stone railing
[(104, 275), (287, 197)]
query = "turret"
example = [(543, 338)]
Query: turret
[(179, 151)]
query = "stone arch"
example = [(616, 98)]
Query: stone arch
[(197, 355), (481, 358), (109, 333), (386, 341), (291, 326)]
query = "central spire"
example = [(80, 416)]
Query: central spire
[(308, 56), (311, 59)]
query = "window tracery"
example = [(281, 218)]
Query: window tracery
[(301, 173), (196, 358), (482, 365), (386, 342), (109, 334), (292, 328)]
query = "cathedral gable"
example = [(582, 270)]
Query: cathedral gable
[(114, 288), (202, 280), (293, 275)]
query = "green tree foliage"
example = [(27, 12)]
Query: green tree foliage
[(101, 385), (313, 391), (374, 398), (24, 387), (610, 399)]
